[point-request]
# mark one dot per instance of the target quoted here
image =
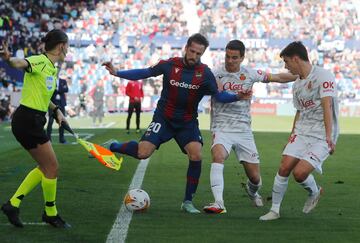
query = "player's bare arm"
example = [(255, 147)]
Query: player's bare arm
[(14, 62), (110, 67), (296, 117), (327, 107), (282, 77)]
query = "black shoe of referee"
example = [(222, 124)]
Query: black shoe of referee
[(55, 221), (12, 213)]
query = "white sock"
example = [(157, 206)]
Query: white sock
[(309, 185), (278, 191), (217, 181), (254, 188)]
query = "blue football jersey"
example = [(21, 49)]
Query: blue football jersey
[(183, 88)]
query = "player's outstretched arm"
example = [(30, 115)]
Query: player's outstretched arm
[(12, 61), (225, 97), (281, 77), (133, 74)]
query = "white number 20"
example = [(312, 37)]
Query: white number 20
[(154, 127)]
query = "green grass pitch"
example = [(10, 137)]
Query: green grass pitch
[(90, 195)]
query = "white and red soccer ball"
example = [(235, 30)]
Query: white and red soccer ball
[(137, 200)]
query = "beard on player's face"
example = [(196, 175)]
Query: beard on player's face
[(190, 61)]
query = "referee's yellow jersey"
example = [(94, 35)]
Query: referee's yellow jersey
[(39, 83)]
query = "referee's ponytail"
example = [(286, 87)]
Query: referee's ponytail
[(54, 37)]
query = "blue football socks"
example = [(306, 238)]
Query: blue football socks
[(129, 148), (193, 175)]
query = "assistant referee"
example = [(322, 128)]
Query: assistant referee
[(28, 125)]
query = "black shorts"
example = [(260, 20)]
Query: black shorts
[(134, 105), (27, 126)]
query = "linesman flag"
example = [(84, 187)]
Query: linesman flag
[(103, 155)]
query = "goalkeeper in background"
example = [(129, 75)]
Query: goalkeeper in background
[(28, 125)]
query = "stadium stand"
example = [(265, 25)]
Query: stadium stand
[(118, 31)]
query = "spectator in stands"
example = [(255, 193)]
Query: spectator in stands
[(4, 107), (97, 94), (82, 107), (87, 20)]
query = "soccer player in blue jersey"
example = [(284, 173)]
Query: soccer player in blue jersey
[(185, 81)]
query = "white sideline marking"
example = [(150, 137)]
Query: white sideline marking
[(104, 125), (110, 124), (120, 227), (108, 141), (84, 136)]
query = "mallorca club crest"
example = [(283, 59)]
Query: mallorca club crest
[(242, 77)]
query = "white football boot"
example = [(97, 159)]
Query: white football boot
[(256, 199), (271, 215), (312, 201)]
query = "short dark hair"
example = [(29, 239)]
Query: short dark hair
[(295, 48), (236, 45), (199, 39), (54, 37)]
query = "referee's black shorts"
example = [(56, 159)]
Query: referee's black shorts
[(28, 127)]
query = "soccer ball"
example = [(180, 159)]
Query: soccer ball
[(137, 200)]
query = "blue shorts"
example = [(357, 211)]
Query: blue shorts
[(161, 130)]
